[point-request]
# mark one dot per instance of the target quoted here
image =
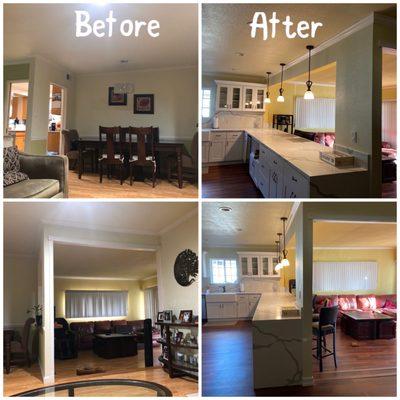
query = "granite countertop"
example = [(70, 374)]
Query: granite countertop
[(231, 293), (270, 305), (303, 154), (222, 130)]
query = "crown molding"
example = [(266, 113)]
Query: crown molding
[(149, 277), (179, 221), (94, 278)]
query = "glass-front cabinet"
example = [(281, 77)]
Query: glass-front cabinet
[(239, 96), (258, 265)]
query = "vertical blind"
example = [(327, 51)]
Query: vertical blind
[(151, 303), (389, 126), (344, 276), (315, 114), (95, 303)]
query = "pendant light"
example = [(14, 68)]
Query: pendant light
[(309, 95), (280, 98), (267, 99), (285, 262), (278, 248)]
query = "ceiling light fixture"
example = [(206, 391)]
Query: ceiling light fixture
[(267, 99), (285, 262), (309, 95), (280, 98), (278, 248), (225, 209)]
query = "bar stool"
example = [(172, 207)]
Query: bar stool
[(325, 326)]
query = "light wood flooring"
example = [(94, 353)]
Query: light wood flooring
[(367, 369), (90, 187), (23, 378)]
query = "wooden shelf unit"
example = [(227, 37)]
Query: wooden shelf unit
[(175, 367)]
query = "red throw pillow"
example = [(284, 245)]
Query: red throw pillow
[(389, 304)]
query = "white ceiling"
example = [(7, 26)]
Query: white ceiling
[(339, 234), (259, 223), (226, 32), (23, 221), (48, 30), (89, 262)]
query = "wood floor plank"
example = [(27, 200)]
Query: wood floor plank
[(24, 378), (368, 369), (90, 187)]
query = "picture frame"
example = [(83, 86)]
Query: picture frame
[(168, 316), (178, 337), (160, 316), (186, 316), (143, 103), (116, 99)]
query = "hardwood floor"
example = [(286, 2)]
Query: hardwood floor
[(24, 378), (367, 369), (229, 181), (90, 187)]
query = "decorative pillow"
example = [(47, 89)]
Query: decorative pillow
[(12, 177), (330, 139), (386, 145), (390, 304), (11, 159), (320, 138)]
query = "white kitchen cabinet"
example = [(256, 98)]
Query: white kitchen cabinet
[(296, 185), (239, 96), (205, 151), (229, 310), (258, 265), (223, 310), (224, 146), (214, 310), (246, 305), (217, 146)]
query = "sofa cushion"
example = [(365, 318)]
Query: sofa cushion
[(38, 188), (82, 327), (11, 159), (102, 327), (118, 323), (366, 302), (380, 300), (324, 301), (389, 305), (347, 302), (12, 177)]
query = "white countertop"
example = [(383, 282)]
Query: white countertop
[(222, 293), (222, 130), (270, 305), (302, 153)]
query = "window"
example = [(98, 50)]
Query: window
[(344, 276), (389, 125), (206, 103), (94, 303), (315, 114), (223, 271)]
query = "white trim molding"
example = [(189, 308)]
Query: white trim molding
[(178, 221)]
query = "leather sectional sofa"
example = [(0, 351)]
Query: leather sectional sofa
[(385, 303), (86, 331)]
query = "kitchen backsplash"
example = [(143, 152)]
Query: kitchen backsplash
[(248, 284), (232, 120)]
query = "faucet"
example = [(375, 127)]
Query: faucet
[(223, 288)]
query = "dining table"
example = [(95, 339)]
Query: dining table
[(167, 147)]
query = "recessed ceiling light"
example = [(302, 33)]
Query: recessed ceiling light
[(239, 229), (239, 54), (123, 61), (225, 209)]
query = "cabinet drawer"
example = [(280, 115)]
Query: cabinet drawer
[(263, 185), (241, 298), (205, 136), (233, 136), (218, 136), (263, 153), (296, 184), (274, 160)]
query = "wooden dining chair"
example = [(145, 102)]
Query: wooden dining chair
[(144, 156), (112, 155), (71, 139)]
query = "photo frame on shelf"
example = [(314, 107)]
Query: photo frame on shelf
[(186, 316), (168, 316), (160, 316)]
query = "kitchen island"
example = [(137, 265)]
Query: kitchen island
[(277, 342), (288, 166)]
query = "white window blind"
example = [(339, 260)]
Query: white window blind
[(206, 103), (223, 271), (389, 126), (344, 276), (315, 114), (94, 303)]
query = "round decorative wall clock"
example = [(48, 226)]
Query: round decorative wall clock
[(186, 267)]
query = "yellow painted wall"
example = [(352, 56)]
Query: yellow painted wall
[(389, 93), (290, 93), (386, 260), (135, 295)]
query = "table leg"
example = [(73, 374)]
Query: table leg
[(80, 161), (179, 161), (7, 355)]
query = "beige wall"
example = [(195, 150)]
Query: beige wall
[(43, 74), (148, 283), (20, 288), (175, 102), (135, 295), (173, 296)]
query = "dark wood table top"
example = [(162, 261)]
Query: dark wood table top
[(115, 335), (365, 315)]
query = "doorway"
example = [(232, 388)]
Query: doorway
[(18, 113), (56, 118)]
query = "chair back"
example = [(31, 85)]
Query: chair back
[(110, 136), (328, 316), (69, 136), (26, 333), (194, 150), (63, 322), (124, 132), (145, 142)]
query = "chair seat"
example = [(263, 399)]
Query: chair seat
[(16, 347), (135, 158), (324, 328), (40, 188), (116, 157)]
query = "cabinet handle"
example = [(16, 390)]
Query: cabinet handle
[(294, 179), (275, 162)]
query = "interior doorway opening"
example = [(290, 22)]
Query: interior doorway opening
[(56, 118)]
